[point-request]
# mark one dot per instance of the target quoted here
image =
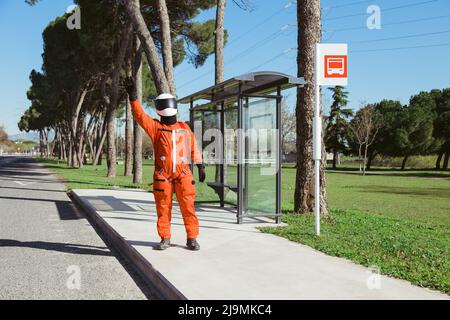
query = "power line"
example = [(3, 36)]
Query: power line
[(259, 43), (288, 70), (384, 10), (257, 67), (244, 53), (348, 4), (262, 22), (273, 58), (403, 48), (390, 24), (242, 35), (401, 37), (195, 79), (385, 49)]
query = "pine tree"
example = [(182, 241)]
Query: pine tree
[(337, 123)]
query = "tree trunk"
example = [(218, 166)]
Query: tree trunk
[(92, 139), (53, 145), (74, 156), (372, 156), (138, 132), (219, 41), (111, 130), (74, 127), (128, 168), (41, 144), (439, 159), (335, 155), (359, 157), (70, 161), (44, 143), (219, 67), (47, 143), (128, 141), (64, 150), (140, 26), (100, 143), (405, 159), (309, 33), (166, 44), (90, 142), (89, 135), (365, 159), (80, 141), (63, 134), (58, 143), (323, 180), (446, 160), (111, 145)]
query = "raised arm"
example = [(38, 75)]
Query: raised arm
[(145, 121)]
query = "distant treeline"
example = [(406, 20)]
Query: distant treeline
[(392, 130)]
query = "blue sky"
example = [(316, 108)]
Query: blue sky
[(265, 39)]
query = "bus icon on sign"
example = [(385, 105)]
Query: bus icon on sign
[(335, 66)]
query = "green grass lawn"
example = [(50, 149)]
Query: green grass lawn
[(401, 195), (401, 248), (396, 220)]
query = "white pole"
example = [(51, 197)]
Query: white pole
[(317, 141)]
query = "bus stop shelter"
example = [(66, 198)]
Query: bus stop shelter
[(237, 123)]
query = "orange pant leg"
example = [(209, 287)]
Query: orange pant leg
[(163, 193), (185, 190)]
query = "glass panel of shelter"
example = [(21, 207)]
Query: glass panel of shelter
[(223, 156), (204, 119), (259, 158), (230, 153), (260, 155)]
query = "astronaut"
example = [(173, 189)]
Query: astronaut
[(175, 148)]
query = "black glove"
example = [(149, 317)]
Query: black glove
[(201, 172), (130, 87)]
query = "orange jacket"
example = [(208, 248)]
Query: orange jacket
[(174, 145)]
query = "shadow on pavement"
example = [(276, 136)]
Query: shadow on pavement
[(60, 247), (66, 209), (108, 203), (31, 189), (21, 172), (154, 244)]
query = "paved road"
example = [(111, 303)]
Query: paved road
[(48, 250)]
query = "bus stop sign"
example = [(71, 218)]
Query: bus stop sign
[(332, 69)]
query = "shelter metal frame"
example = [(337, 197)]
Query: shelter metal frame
[(240, 89)]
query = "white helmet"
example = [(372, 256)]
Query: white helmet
[(166, 105)]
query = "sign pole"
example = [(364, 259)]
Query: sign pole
[(317, 140), (330, 69)]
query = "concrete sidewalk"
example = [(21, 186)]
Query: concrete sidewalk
[(235, 261)]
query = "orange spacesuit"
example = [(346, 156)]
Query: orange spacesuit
[(175, 149), (172, 145)]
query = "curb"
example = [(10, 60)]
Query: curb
[(163, 289)]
